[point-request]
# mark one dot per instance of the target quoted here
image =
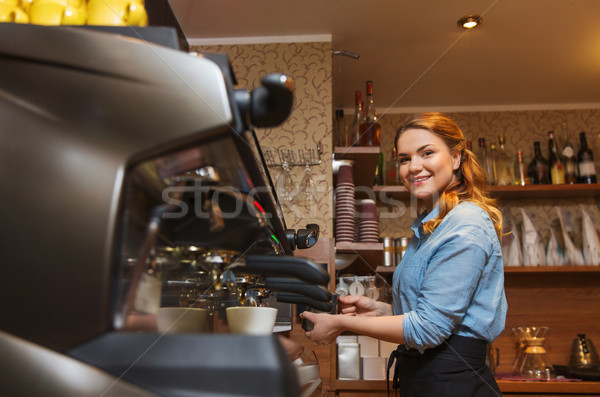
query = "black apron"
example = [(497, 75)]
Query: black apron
[(455, 368)]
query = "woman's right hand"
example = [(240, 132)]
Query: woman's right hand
[(358, 305)]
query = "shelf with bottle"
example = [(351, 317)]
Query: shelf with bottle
[(517, 192), (524, 269)]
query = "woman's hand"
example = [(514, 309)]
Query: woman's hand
[(326, 328), (356, 305)]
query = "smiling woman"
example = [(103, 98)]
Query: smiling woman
[(426, 165), (448, 290), (437, 167)]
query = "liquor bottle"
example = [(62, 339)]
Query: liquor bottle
[(370, 130), (340, 138), (378, 181), (493, 155), (521, 176), (557, 167), (538, 168), (569, 158), (504, 165), (585, 159), (487, 162), (357, 120), (393, 170)]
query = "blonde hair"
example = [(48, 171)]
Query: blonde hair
[(472, 181)]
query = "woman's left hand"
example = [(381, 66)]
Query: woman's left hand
[(326, 328)]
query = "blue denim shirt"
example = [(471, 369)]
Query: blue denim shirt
[(452, 280)]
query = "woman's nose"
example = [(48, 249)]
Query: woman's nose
[(415, 165)]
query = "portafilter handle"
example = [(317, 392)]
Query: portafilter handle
[(287, 266), (288, 297), (283, 284)]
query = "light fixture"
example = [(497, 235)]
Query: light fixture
[(470, 21)]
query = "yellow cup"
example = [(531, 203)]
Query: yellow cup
[(58, 12), (117, 13), (11, 12)]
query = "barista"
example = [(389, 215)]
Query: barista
[(448, 290)]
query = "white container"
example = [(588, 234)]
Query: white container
[(181, 320), (251, 320), (348, 361), (373, 368), (346, 339), (369, 347)]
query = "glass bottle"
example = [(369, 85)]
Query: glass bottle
[(357, 120), (340, 138), (378, 181), (486, 161), (493, 159), (521, 176), (504, 165), (585, 159), (538, 168), (569, 158), (557, 167), (370, 129), (392, 169)]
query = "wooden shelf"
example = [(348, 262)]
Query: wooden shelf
[(339, 384), (366, 162), (551, 269), (368, 255), (545, 191), (508, 192), (356, 152), (506, 386), (523, 269)]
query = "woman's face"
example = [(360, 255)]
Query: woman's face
[(426, 165)]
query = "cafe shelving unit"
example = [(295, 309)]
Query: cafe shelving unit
[(565, 298)]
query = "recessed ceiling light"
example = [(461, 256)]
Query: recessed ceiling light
[(470, 21)]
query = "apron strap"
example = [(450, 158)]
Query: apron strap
[(396, 377)]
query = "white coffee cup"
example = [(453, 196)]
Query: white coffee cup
[(251, 320), (182, 320)]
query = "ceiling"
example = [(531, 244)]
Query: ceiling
[(534, 54)]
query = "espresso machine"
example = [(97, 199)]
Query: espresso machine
[(133, 180)]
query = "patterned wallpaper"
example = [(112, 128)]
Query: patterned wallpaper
[(309, 125)]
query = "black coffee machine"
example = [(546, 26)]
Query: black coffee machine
[(133, 180)]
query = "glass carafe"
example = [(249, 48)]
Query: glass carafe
[(535, 363)]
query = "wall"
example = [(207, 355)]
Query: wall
[(310, 123)]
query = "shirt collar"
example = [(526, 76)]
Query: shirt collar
[(423, 218)]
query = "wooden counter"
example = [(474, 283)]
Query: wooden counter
[(366, 388)]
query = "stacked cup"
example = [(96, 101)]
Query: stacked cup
[(368, 227), (345, 211)]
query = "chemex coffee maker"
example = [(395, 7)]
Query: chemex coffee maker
[(133, 181)]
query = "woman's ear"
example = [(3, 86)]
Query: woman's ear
[(456, 160)]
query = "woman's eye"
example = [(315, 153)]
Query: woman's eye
[(403, 160), (427, 153)]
